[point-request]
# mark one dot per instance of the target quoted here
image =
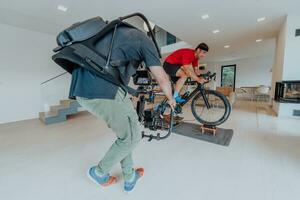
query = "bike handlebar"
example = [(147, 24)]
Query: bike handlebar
[(209, 76)]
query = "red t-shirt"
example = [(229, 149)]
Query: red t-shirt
[(183, 57)]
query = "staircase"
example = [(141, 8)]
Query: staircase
[(60, 112)]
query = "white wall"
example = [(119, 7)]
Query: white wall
[(278, 62), (161, 37), (249, 71), (287, 109), (291, 70), (287, 61), (168, 49), (25, 62)]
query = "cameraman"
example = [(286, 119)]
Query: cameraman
[(112, 104)]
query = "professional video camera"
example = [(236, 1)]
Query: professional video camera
[(156, 117)]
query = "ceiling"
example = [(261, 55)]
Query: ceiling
[(236, 20)]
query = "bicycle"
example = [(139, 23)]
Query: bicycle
[(209, 107), (214, 106)]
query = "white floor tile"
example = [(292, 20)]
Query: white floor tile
[(50, 162)]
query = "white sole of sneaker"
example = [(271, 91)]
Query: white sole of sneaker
[(91, 178)]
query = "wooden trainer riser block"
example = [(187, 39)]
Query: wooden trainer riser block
[(208, 129)]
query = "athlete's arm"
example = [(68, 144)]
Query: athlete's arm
[(188, 69), (197, 71), (190, 72)]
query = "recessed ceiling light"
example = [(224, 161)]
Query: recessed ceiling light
[(261, 19), (259, 40), (226, 46), (205, 16), (216, 31), (62, 8)]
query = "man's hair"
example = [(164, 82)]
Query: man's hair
[(203, 47)]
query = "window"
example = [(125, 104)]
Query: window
[(171, 39), (228, 75)]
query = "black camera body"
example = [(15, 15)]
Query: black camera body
[(153, 120), (142, 78), (150, 118)]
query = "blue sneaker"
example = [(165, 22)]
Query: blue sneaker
[(128, 186), (178, 99), (104, 180)]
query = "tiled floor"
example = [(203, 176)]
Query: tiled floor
[(50, 162)]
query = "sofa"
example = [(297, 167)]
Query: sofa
[(229, 93)]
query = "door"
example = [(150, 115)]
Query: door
[(228, 75)]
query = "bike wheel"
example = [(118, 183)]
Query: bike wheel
[(217, 114)]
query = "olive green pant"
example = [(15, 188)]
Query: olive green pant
[(121, 117)]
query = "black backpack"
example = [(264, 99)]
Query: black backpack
[(77, 48)]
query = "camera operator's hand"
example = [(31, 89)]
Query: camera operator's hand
[(172, 103)]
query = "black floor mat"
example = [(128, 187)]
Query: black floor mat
[(222, 137)]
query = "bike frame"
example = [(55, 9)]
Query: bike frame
[(200, 88), (142, 100)]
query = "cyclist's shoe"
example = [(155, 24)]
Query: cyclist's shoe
[(105, 180), (179, 99), (129, 185), (178, 109)]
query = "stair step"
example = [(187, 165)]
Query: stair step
[(44, 115), (55, 119), (58, 113), (58, 107), (67, 102)]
